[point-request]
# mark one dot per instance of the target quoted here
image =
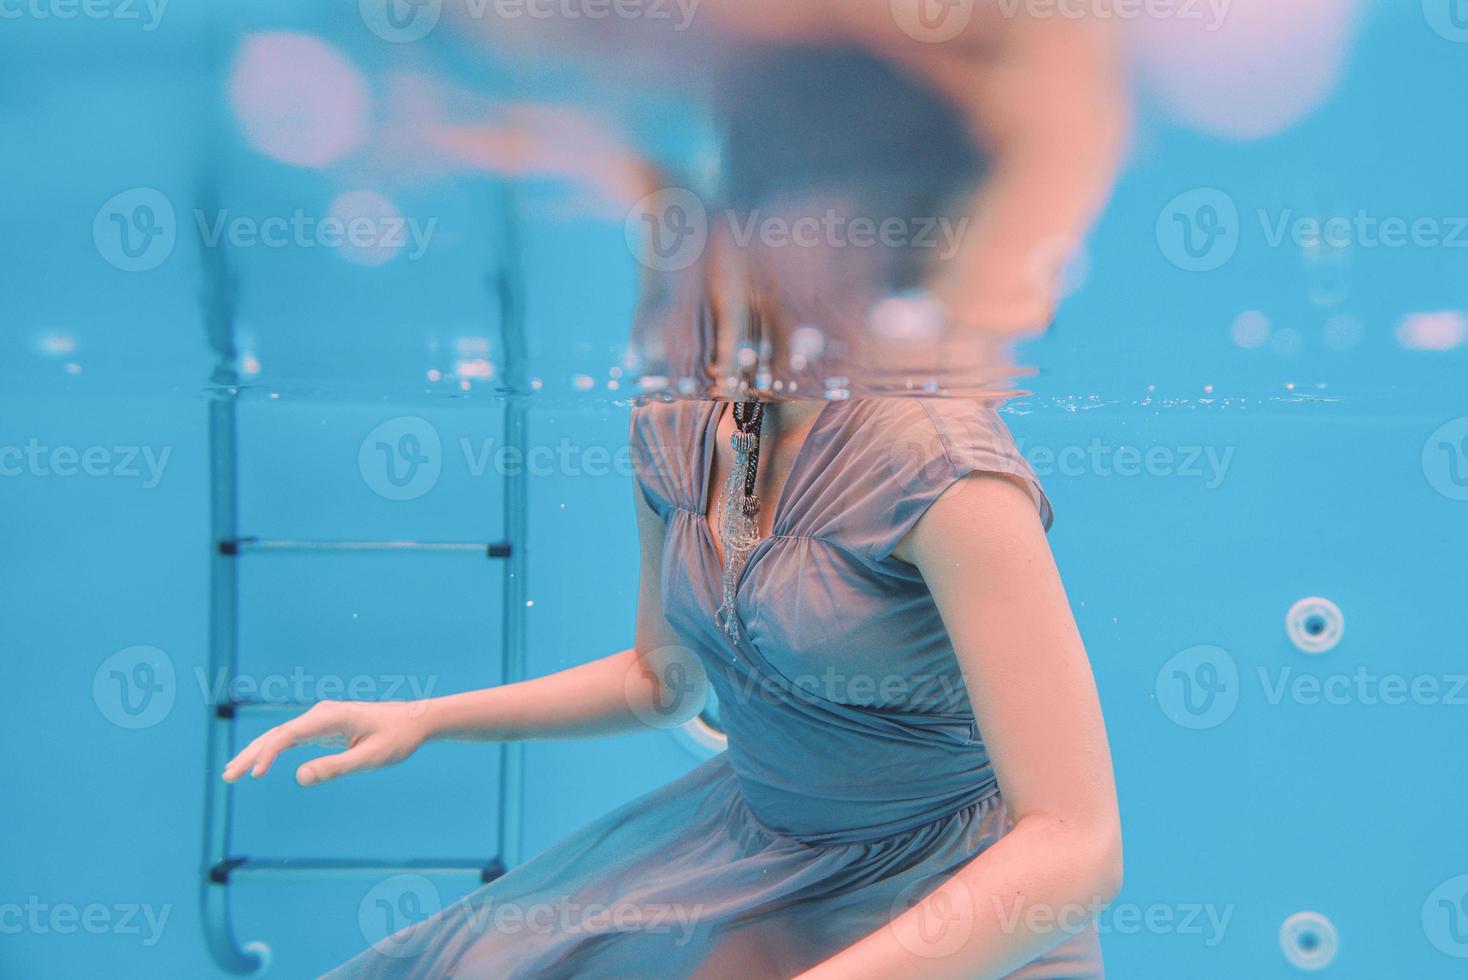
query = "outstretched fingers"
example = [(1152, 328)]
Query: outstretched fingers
[(359, 757), (257, 757)]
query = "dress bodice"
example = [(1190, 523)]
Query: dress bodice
[(843, 701)]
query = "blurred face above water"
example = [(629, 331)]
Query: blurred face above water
[(895, 200)]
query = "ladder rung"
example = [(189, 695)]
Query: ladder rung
[(237, 546), (230, 709), (221, 873), (226, 710)]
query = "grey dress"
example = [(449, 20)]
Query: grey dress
[(855, 780)]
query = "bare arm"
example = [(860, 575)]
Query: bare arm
[(1044, 95), (1048, 102), (1046, 98), (619, 693), (984, 555)]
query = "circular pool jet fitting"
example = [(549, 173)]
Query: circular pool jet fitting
[(701, 738), (1308, 941), (1315, 625), (703, 734)]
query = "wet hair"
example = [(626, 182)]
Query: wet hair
[(804, 122)]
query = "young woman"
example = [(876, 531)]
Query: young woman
[(899, 601), (917, 780)]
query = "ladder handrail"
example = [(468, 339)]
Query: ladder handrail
[(219, 306), (227, 547), (506, 286)]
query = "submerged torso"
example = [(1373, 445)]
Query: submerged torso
[(844, 706)]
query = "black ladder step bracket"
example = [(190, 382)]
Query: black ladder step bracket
[(230, 710), (219, 874), (233, 548)]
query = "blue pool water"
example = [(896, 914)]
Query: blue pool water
[(1228, 422)]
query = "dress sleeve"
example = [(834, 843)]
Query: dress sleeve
[(935, 443), (666, 447)]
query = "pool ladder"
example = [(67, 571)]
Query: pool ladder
[(220, 865)]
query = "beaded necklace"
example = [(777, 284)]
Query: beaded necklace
[(738, 513)]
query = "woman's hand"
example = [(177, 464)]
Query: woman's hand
[(377, 734)]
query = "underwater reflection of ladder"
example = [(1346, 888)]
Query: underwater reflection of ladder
[(220, 865)]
